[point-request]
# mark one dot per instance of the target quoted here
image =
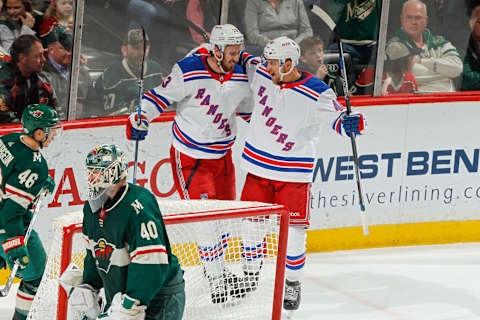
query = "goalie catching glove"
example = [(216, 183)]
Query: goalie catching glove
[(136, 130), (124, 308), (82, 298)]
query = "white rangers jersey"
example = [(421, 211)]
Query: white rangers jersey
[(204, 126), (285, 126)]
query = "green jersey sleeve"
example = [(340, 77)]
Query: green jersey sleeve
[(21, 187), (149, 251)]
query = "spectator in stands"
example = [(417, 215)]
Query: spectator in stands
[(311, 61), (118, 85), (357, 22), (57, 69), (266, 20), (397, 76), (471, 64), (448, 18), (21, 83), (59, 12), (18, 20), (176, 26), (439, 62)]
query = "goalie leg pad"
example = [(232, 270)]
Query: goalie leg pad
[(83, 300)]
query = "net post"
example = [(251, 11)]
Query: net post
[(68, 233), (280, 268)]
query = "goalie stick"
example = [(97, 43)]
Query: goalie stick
[(6, 289), (140, 92), (331, 24)]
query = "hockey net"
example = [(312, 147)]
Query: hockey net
[(232, 223)]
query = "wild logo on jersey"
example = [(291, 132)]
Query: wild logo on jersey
[(212, 110), (281, 137), (103, 252)]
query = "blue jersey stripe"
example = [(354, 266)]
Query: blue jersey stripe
[(275, 168), (271, 156)]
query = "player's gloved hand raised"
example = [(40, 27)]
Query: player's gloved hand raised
[(124, 308), (136, 130), (353, 123), (49, 185), (16, 250)]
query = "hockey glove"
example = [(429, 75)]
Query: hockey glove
[(49, 185), (136, 131), (353, 123), (83, 299), (16, 251), (124, 308)]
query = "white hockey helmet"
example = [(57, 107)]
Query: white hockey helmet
[(223, 35), (282, 48)]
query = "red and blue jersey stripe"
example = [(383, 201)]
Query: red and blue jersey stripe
[(159, 101), (263, 72), (211, 253), (252, 253), (220, 147), (277, 163)]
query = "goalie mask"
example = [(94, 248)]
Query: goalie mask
[(282, 49), (106, 166), (224, 35)]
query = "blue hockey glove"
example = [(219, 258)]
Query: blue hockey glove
[(136, 131), (353, 123)]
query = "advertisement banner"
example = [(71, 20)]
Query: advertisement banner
[(418, 163)]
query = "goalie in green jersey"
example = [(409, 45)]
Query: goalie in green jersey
[(128, 252), (23, 174)]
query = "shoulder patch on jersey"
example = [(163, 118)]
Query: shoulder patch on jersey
[(316, 85), (137, 206), (191, 64)]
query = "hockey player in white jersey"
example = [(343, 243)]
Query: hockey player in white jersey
[(291, 107), (209, 90)]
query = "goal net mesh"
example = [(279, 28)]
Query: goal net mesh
[(230, 237)]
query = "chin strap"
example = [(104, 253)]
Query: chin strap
[(282, 74), (219, 60)]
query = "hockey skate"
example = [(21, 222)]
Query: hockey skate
[(218, 289), (250, 279), (291, 299), (235, 285)]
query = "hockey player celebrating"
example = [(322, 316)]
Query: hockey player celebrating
[(210, 90), (128, 251), (291, 107), (23, 174)]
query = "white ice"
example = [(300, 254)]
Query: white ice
[(438, 282)]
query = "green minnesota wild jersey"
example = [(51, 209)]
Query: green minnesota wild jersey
[(23, 174), (119, 86), (128, 250), (358, 23)]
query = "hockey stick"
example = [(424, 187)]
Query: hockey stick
[(140, 92), (6, 289), (331, 24)]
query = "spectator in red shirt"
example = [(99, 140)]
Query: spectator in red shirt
[(59, 12), (397, 75)]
